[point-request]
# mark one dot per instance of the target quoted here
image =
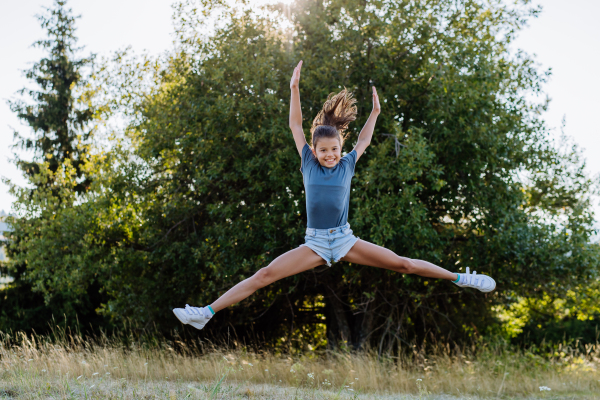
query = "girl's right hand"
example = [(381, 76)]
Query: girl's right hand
[(295, 82)]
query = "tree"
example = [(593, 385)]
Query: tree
[(61, 117), (62, 129), (219, 196), (203, 188)]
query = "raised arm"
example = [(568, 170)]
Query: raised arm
[(364, 139), (296, 111)]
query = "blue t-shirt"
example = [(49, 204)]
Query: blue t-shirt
[(327, 190)]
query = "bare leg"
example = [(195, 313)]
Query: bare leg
[(291, 263), (366, 253)]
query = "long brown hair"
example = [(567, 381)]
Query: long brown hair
[(335, 116)]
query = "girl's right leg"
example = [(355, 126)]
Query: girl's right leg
[(291, 263), (370, 254)]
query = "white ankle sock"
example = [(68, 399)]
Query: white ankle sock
[(207, 313)]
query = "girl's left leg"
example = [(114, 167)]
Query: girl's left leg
[(370, 254)]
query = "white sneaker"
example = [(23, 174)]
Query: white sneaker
[(482, 283), (194, 316)]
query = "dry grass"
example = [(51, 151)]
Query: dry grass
[(69, 367)]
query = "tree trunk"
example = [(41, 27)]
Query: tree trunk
[(363, 325), (338, 329)]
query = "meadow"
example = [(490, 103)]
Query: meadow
[(67, 366)]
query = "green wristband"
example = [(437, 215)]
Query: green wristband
[(457, 279), (211, 310)]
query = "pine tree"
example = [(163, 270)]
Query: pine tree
[(61, 129), (60, 116)]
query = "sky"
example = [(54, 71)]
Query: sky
[(566, 38)]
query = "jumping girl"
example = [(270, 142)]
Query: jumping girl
[(327, 177)]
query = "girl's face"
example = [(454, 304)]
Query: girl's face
[(328, 152)]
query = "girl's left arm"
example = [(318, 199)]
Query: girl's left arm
[(364, 139)]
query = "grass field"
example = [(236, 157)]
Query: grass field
[(68, 367)]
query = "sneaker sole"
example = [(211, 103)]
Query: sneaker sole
[(196, 325)]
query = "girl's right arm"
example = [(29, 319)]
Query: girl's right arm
[(295, 111)]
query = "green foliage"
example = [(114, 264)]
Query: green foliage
[(554, 318), (51, 226), (203, 186)]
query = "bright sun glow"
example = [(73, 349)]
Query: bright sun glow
[(261, 2)]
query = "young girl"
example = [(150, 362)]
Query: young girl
[(327, 177)]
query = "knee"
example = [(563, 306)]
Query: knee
[(405, 265), (263, 277)]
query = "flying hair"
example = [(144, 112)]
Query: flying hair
[(335, 116)]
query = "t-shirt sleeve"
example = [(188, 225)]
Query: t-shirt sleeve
[(350, 159), (308, 158)]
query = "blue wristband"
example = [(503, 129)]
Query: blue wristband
[(211, 310)]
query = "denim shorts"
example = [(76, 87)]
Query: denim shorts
[(330, 244)]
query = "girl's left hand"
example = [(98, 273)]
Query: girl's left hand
[(376, 106), (295, 81)]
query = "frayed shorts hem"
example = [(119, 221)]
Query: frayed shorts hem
[(330, 244)]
